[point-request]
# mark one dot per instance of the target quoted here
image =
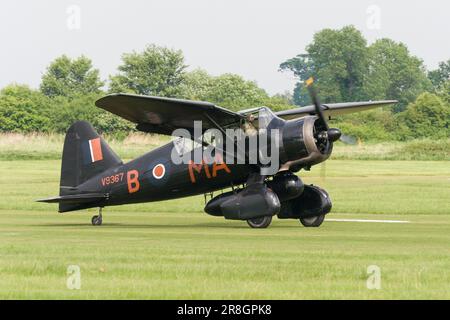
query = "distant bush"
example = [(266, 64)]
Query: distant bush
[(421, 149), (24, 110), (428, 116), (427, 149), (374, 125), (82, 107)]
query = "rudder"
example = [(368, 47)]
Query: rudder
[(85, 154)]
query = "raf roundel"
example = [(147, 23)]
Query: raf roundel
[(159, 171)]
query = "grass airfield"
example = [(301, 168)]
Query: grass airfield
[(174, 250)]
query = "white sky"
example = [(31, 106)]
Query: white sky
[(250, 38)]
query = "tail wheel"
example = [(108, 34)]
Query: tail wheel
[(312, 221), (262, 222), (96, 220)]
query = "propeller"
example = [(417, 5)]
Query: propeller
[(329, 134), (348, 139), (323, 171)]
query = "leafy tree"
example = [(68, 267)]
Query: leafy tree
[(394, 74), (83, 108), (196, 85), (233, 91), (301, 95), (24, 110), (347, 70), (279, 101), (227, 90), (428, 116), (75, 109), (154, 71), (338, 61), (444, 92), (107, 122), (68, 77), (301, 66), (377, 124), (441, 75)]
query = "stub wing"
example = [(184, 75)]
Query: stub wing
[(334, 109)]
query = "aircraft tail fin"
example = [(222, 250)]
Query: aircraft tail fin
[(85, 155)]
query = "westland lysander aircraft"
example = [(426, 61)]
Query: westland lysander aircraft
[(92, 175)]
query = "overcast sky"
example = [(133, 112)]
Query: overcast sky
[(250, 38)]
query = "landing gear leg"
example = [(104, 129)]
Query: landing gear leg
[(97, 220)]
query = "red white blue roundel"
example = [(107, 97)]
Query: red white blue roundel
[(159, 171)]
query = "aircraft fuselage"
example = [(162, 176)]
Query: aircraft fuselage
[(154, 177)]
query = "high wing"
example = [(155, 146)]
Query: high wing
[(164, 115), (334, 109)]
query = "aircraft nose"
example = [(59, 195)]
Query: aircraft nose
[(334, 134)]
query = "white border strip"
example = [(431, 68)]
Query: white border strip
[(92, 153), (364, 220)]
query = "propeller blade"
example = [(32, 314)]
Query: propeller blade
[(323, 171), (315, 100), (348, 139)]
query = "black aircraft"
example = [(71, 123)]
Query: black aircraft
[(92, 175)]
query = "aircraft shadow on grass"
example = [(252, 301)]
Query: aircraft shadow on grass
[(155, 226)]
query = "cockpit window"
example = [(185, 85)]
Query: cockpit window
[(184, 145), (258, 118)]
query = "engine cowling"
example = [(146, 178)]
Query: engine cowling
[(302, 145)]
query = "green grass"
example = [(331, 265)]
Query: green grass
[(422, 149), (173, 250), (39, 146), (15, 146)]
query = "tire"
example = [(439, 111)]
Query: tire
[(260, 223), (315, 221), (96, 220)]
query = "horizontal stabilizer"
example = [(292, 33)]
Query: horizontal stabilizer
[(76, 198)]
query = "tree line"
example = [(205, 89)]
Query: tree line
[(345, 67)]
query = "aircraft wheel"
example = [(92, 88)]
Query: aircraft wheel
[(312, 221), (262, 222), (96, 220)]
